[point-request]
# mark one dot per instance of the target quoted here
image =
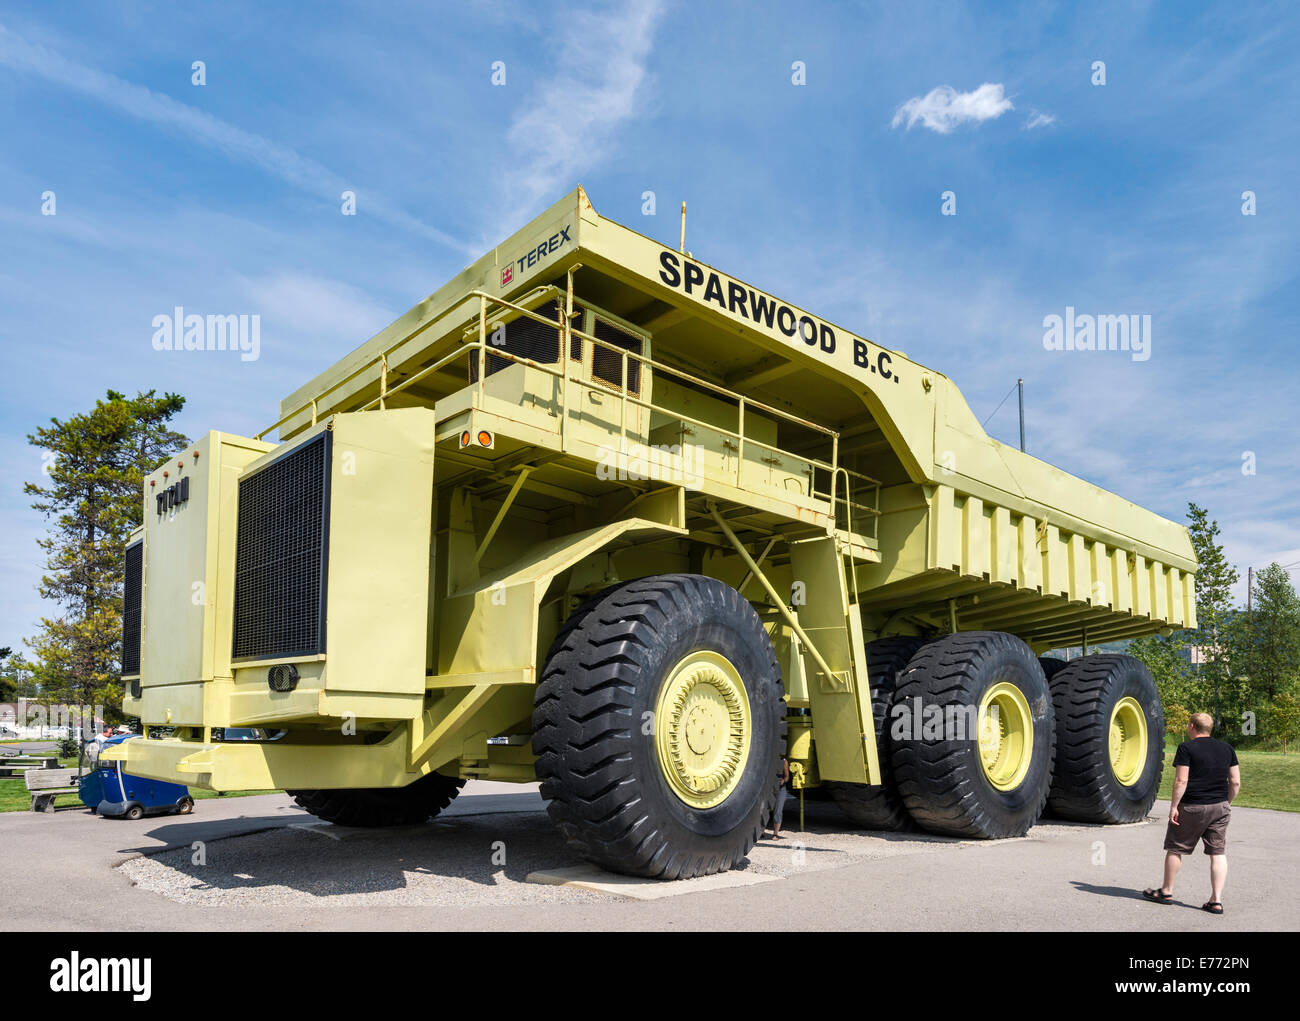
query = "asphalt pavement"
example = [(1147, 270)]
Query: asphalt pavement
[(262, 863)]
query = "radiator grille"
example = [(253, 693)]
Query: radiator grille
[(526, 338), (131, 593), (280, 550), (607, 365)]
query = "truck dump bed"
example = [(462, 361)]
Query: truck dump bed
[(796, 425)]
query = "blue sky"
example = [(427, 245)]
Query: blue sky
[(1113, 199)]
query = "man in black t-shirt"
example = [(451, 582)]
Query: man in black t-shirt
[(1207, 779)]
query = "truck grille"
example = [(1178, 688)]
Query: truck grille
[(529, 339), (607, 365), (280, 549), (131, 609)]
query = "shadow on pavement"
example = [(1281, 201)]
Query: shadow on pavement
[(175, 831), (1123, 892), (479, 850)]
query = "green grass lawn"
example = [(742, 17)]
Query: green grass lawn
[(1268, 779)]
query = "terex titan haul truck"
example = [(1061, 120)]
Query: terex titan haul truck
[(600, 515)]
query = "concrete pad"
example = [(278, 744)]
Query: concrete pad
[(591, 877)]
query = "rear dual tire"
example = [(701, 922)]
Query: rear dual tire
[(879, 806), (989, 784), (1110, 740)]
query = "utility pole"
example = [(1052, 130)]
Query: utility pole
[(1020, 385), (1250, 586)]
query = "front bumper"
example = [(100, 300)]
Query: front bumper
[(266, 765)]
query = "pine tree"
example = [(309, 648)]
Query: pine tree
[(93, 500), (1214, 580)]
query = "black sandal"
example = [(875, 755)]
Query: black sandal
[(1159, 896), (1213, 907)]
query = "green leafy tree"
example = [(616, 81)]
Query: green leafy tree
[(1282, 720), (8, 685), (1176, 717), (1163, 656), (92, 500), (15, 676), (1272, 635)]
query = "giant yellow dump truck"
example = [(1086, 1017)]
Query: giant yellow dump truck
[(600, 515)]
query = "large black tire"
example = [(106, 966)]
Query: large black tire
[(594, 728), (940, 777), (382, 806), (879, 807), (1051, 666), (1084, 785)]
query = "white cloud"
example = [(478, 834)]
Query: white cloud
[(235, 143), (945, 108), (325, 312), (567, 126), (1039, 120)]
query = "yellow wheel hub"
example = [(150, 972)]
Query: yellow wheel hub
[(1128, 741), (1006, 735), (702, 729)]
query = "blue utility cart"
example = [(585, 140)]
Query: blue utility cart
[(109, 791)]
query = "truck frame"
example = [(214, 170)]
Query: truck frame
[(598, 514)]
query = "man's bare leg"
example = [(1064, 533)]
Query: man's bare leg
[(1173, 862), (1218, 873)]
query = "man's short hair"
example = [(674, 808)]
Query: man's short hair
[(1202, 723)]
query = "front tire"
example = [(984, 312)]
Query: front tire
[(1110, 738), (382, 806), (992, 783), (659, 728)]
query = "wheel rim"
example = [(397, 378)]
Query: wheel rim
[(1006, 735), (1128, 741), (703, 729)]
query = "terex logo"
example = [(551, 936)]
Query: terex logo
[(536, 255)]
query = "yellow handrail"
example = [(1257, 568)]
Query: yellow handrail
[(478, 348)]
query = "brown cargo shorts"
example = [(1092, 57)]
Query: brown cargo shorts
[(1199, 822)]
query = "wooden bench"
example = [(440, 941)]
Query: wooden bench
[(47, 784)]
